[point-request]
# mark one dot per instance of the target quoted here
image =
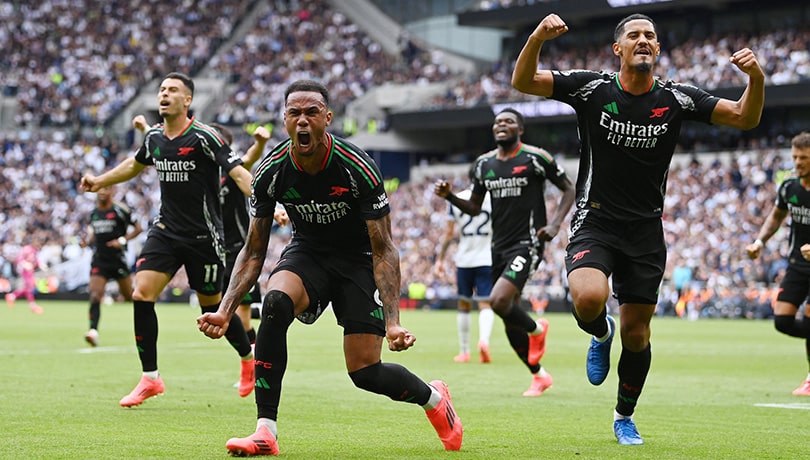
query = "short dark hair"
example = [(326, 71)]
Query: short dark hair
[(226, 133), (517, 114), (620, 27), (307, 85), (184, 78), (801, 140)]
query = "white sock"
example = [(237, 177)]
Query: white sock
[(606, 336), (537, 330), (618, 416), (541, 373), (486, 319), (808, 377), (152, 374), (463, 323), (270, 424), (435, 398)]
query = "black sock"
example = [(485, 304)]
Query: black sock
[(392, 380), (519, 340), (518, 317), (235, 334), (597, 327), (146, 334), (251, 333), (788, 324), (95, 314), (271, 352), (633, 370)]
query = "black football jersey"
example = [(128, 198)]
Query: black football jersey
[(109, 224), (328, 211), (626, 141), (516, 187), (188, 168), (793, 197)]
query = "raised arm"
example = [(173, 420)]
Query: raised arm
[(526, 78), (472, 206), (242, 177), (125, 171), (745, 112), (771, 225), (261, 135)]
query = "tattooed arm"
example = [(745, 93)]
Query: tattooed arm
[(387, 277)]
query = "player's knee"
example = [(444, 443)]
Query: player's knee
[(367, 378), (278, 306), (784, 323)]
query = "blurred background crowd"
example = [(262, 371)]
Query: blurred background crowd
[(74, 72)]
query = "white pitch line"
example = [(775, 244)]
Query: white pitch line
[(800, 406), (88, 350)]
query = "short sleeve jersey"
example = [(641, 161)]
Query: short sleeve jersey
[(793, 197), (475, 234), (626, 141), (328, 211), (235, 215), (188, 168), (109, 224), (516, 186)]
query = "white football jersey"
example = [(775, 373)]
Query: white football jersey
[(475, 234)]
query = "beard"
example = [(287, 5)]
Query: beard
[(644, 67)]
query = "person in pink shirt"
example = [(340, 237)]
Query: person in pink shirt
[(26, 263)]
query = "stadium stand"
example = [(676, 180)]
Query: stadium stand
[(68, 87)]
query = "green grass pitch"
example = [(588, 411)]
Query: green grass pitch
[(717, 389)]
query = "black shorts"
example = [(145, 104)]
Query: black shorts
[(795, 286), (516, 264), (634, 253), (254, 295), (110, 268), (346, 280), (204, 261)]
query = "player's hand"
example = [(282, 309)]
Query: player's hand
[(438, 269), (746, 60), (399, 339), (213, 324), (139, 123), (261, 134), (281, 217), (548, 232), (753, 250), (88, 183), (441, 188), (552, 26), (805, 249)]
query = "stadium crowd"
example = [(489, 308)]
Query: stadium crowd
[(715, 204), (78, 62), (783, 53), (69, 65), (68, 68)]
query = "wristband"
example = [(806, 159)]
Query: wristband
[(759, 243), (122, 241)]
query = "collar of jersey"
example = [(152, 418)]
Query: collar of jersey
[(619, 83), (329, 144)]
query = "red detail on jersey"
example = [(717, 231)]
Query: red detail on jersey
[(138, 262), (580, 255), (338, 190), (659, 112), (519, 169), (110, 215), (183, 151)]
